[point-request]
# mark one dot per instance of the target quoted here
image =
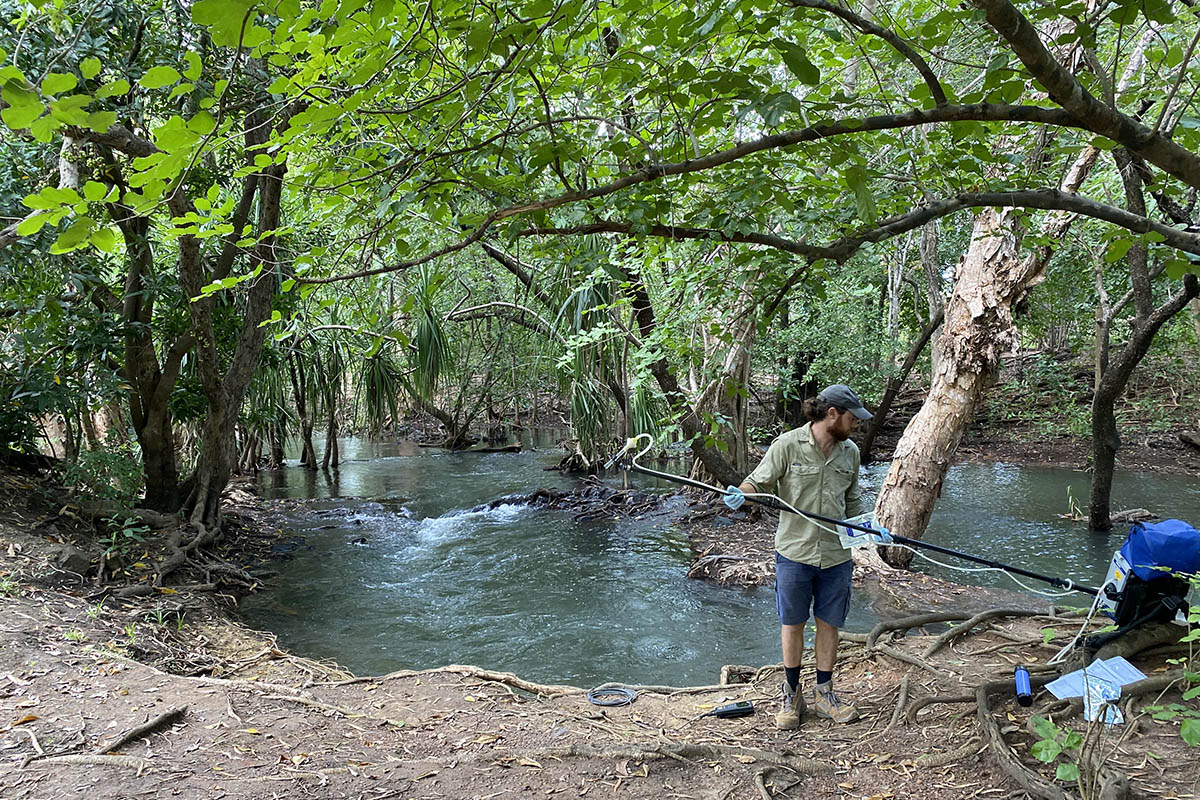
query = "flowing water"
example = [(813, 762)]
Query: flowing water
[(397, 572)]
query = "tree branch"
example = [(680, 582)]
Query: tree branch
[(843, 248), (979, 112), (1090, 112), (868, 27)]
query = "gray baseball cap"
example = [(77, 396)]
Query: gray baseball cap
[(843, 396)]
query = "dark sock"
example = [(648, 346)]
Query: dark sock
[(793, 676), (824, 676)]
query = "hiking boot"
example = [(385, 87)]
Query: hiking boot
[(792, 708), (828, 706)]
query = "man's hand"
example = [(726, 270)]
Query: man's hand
[(734, 497), (883, 537)]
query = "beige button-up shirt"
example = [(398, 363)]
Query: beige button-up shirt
[(796, 470)]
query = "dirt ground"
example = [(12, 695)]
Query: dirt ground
[(232, 715)]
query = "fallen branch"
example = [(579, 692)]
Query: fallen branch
[(160, 721), (798, 763)]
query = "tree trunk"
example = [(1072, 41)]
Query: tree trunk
[(156, 436), (214, 466), (226, 391), (977, 330), (296, 373), (693, 426), (330, 457), (933, 278)]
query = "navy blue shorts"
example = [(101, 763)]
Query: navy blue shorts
[(801, 586)]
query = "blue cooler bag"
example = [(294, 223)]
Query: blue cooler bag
[(1153, 548)]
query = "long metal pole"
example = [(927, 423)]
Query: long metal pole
[(1064, 583)]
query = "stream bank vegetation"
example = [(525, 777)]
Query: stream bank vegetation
[(231, 224)]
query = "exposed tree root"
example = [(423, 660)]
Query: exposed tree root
[(900, 655), (950, 757), (960, 630), (129, 762), (910, 715), (1027, 779), (506, 678), (800, 764), (304, 701), (916, 621), (901, 700)]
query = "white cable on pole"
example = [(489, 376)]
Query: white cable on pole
[(819, 524)]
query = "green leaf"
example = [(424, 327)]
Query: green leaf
[(864, 201), (1045, 728), (74, 237), (203, 123), (1190, 731), (69, 109), (1117, 250), (106, 239), (100, 121), (1046, 750), (59, 82), (158, 77), (119, 86), (1176, 268), (89, 67), (32, 224), (796, 59), (192, 70), (1067, 772), (94, 191), (24, 106)]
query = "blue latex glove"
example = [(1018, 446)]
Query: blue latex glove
[(734, 497), (883, 537)]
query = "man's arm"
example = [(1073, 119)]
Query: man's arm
[(854, 502)]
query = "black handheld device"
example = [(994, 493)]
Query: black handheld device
[(742, 708)]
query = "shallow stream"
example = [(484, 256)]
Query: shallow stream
[(398, 573)]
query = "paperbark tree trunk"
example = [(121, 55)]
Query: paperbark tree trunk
[(978, 329)]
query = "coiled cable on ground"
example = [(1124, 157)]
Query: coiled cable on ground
[(612, 696)]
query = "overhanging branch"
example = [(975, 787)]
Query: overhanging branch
[(844, 247), (977, 112), (1092, 113), (868, 27)]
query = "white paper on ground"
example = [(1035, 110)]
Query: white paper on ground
[(1116, 671)]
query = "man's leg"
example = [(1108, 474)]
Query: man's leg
[(831, 601), (826, 645), (792, 639), (793, 596)]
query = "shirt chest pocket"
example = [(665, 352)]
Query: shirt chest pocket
[(801, 481), (839, 480)]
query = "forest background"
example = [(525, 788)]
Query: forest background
[(228, 222)]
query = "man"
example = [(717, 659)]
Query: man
[(814, 468)]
